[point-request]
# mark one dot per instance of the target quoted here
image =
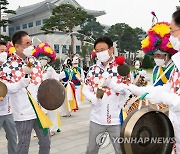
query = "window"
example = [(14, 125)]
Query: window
[(38, 22), (24, 26), (4, 28), (56, 48), (11, 31), (78, 49), (64, 49), (17, 27), (30, 24), (44, 20)]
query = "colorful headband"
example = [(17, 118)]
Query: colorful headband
[(158, 39), (44, 50)]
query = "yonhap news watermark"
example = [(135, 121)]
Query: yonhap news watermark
[(103, 140), (144, 140)]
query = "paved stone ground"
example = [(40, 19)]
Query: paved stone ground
[(73, 137)]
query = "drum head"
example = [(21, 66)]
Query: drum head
[(51, 94), (3, 89), (150, 130)]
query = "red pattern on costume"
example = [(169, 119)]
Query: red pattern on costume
[(174, 148), (175, 82), (9, 108), (95, 74), (12, 70), (175, 88), (108, 119)]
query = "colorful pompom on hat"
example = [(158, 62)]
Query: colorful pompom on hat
[(44, 50), (10, 48), (158, 39)]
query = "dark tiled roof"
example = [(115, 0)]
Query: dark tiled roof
[(31, 8)]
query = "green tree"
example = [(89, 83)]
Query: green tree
[(86, 52), (92, 29), (65, 18), (116, 32), (131, 41), (140, 34), (147, 62), (4, 22)]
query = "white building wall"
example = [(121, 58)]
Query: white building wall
[(4, 30), (33, 18)]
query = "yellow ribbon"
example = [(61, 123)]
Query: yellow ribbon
[(58, 118), (82, 97), (163, 78), (44, 120), (70, 104), (124, 113)]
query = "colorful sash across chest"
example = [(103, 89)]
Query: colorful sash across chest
[(158, 71), (76, 70), (68, 75)]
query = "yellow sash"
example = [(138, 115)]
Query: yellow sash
[(70, 104), (43, 118), (58, 118), (163, 78)]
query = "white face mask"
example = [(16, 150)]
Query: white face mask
[(43, 62), (28, 51), (137, 66), (159, 62), (3, 57), (75, 65), (175, 42), (103, 56)]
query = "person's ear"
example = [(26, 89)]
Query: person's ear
[(16, 46), (111, 50)]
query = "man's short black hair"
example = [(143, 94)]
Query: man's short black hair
[(17, 37), (104, 39), (3, 43), (176, 16)]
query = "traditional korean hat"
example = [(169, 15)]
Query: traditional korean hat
[(44, 50), (158, 39)]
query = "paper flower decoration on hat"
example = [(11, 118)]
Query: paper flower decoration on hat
[(44, 50), (93, 54), (158, 39), (10, 48)]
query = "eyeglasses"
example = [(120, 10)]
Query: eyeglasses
[(172, 31), (26, 44), (102, 49)]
